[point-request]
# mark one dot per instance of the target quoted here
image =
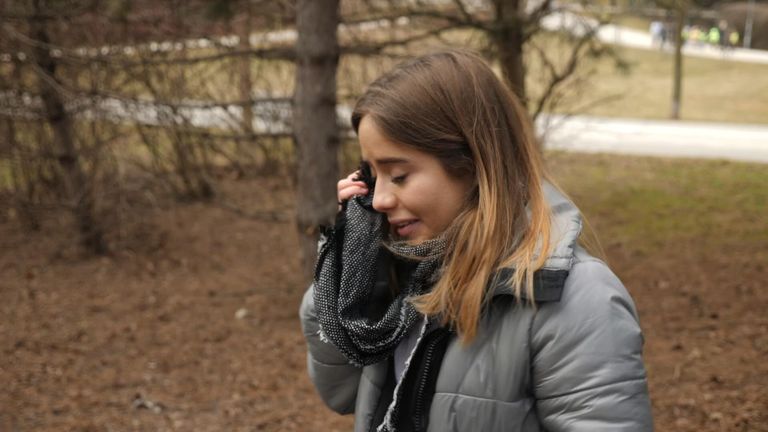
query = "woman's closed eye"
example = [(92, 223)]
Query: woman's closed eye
[(399, 179)]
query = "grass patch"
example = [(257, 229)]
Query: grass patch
[(649, 203), (713, 90)]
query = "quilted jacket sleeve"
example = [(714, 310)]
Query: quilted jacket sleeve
[(587, 365), (334, 377)]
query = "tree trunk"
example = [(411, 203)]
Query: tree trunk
[(246, 86), (677, 85), (77, 189), (509, 38), (315, 129)]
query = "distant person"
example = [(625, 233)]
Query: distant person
[(453, 293), (663, 35), (704, 37), (733, 38), (655, 29), (713, 37), (722, 28), (694, 35)]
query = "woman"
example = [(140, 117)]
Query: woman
[(434, 307)]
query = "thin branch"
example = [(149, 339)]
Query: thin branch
[(532, 23), (557, 78), (468, 18), (378, 48)]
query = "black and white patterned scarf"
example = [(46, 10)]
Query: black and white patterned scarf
[(348, 280)]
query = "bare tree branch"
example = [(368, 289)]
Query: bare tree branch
[(559, 77)]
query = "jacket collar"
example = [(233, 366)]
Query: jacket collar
[(548, 281)]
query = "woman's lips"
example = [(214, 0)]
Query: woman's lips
[(406, 229)]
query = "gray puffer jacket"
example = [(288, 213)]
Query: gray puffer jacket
[(574, 363)]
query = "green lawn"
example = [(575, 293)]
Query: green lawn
[(652, 202), (713, 90)]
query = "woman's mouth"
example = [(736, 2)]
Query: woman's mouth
[(406, 228)]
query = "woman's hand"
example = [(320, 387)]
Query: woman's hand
[(349, 187)]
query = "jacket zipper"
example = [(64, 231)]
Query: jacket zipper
[(398, 393), (419, 403), (427, 350)]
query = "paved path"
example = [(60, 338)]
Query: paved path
[(628, 37), (577, 133), (748, 143)]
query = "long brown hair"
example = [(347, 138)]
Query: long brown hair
[(451, 105)]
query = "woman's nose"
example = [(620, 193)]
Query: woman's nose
[(383, 200)]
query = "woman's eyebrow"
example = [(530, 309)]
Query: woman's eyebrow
[(390, 161)]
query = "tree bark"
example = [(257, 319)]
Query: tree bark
[(316, 131), (509, 37), (244, 66), (76, 186), (677, 84)]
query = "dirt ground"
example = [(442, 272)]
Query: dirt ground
[(195, 327)]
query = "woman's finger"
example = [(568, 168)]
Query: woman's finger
[(347, 182), (350, 186), (350, 180), (344, 185), (351, 191)]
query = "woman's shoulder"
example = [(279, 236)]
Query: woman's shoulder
[(591, 283), (587, 349), (593, 302)]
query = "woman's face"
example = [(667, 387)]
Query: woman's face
[(419, 198)]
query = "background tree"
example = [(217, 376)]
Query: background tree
[(78, 76), (315, 127), (509, 29), (680, 8), (40, 71)]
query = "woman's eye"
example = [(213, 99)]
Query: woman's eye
[(399, 179)]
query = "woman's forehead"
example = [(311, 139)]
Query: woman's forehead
[(377, 148)]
